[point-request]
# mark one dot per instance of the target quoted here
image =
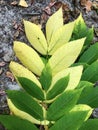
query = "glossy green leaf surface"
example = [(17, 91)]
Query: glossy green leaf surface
[(22, 114), (89, 36), (91, 73), (89, 96), (16, 123), (81, 30), (31, 88), (26, 103), (58, 87), (83, 84), (46, 77), (73, 119), (90, 55), (91, 124), (85, 65), (63, 104)]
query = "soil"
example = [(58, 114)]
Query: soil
[(38, 11)]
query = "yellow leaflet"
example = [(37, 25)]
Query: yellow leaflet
[(24, 115), (23, 3), (53, 24), (61, 37), (29, 57), (20, 71), (66, 55), (75, 76), (80, 20), (36, 37), (82, 107)]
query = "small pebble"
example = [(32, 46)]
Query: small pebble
[(95, 113)]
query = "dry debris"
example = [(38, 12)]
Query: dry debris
[(18, 28), (23, 3), (14, 3), (87, 4), (10, 75), (2, 92), (95, 5), (2, 63)]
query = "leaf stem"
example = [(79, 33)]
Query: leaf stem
[(46, 127)]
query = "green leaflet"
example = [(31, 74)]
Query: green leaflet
[(63, 104), (26, 103), (60, 37), (73, 119), (91, 124), (21, 113), (89, 36), (90, 55), (31, 88), (53, 24), (81, 30), (75, 75), (16, 123), (85, 65), (83, 84), (36, 37), (66, 55), (58, 87), (44, 59), (80, 20), (46, 77), (91, 73), (89, 96)]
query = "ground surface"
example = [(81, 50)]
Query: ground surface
[(11, 28)]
